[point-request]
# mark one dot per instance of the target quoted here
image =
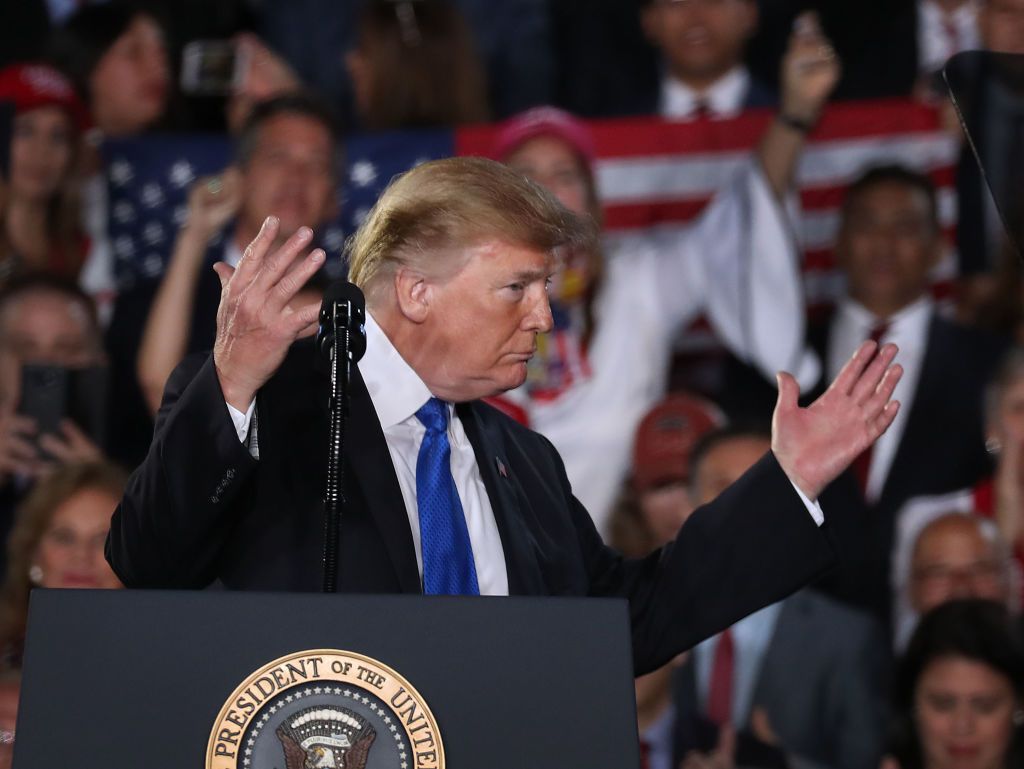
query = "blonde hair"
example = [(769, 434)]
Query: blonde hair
[(430, 217), (32, 519)]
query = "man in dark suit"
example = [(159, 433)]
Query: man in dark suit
[(889, 241), (445, 494), (702, 45), (820, 702)]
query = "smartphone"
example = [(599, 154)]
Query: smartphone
[(212, 67), (51, 394)]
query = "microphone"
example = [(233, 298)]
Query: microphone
[(351, 315), (340, 342)]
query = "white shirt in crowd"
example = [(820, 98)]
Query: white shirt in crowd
[(722, 100), (940, 34), (908, 330), (738, 265)]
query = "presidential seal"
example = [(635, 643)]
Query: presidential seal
[(325, 709)]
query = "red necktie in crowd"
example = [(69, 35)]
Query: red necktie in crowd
[(720, 692), (862, 464)]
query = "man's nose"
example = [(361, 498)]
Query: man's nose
[(539, 319)]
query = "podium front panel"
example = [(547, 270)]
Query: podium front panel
[(123, 679)]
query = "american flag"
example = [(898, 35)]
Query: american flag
[(650, 174)]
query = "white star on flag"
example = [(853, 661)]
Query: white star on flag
[(181, 174), (363, 173)]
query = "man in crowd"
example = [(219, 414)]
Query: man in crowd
[(454, 260), (742, 679), (702, 44), (286, 164), (953, 555)]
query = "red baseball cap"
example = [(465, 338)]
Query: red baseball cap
[(31, 86), (544, 121), (666, 437)]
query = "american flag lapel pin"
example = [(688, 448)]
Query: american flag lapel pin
[(502, 470)]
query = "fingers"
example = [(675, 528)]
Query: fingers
[(852, 369), (789, 392), (292, 282), (306, 320), (79, 443), (224, 272), (276, 264), (881, 423), (256, 252), (868, 381), (883, 392)]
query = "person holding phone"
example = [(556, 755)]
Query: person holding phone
[(41, 216), (42, 321)]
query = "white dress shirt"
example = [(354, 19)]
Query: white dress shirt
[(751, 637), (908, 330), (397, 394), (941, 34), (723, 100)]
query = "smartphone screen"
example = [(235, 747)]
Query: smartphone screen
[(51, 394), (211, 68)]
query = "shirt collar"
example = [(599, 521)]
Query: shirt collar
[(914, 314), (724, 98), (397, 392)]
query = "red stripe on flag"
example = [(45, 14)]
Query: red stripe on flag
[(652, 136)]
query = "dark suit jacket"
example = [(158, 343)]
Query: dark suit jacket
[(820, 683), (200, 509)]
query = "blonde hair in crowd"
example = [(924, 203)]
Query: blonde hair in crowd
[(429, 219)]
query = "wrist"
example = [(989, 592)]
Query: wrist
[(797, 121), (236, 395)]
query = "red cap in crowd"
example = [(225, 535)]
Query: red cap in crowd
[(544, 121), (31, 86), (666, 437)]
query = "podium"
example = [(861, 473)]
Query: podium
[(176, 680)]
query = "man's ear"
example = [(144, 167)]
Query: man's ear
[(413, 294)]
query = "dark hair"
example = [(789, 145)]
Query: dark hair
[(77, 47), (426, 72), (298, 103), (41, 282), (893, 173), (976, 629), (714, 438)]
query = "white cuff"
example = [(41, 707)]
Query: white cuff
[(242, 421), (812, 507)]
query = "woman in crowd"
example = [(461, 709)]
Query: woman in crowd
[(615, 318), (415, 66), (57, 542), (959, 692), (41, 213)]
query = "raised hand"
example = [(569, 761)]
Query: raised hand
[(213, 201), (810, 70), (815, 444), (255, 322), (18, 454)]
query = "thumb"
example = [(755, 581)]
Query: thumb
[(789, 392), (224, 272)]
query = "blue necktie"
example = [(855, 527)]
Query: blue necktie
[(448, 567)]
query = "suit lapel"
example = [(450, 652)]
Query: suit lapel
[(524, 576), (371, 468)]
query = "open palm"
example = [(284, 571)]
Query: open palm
[(815, 444)]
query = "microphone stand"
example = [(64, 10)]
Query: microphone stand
[(342, 341)]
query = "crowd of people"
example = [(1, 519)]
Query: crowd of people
[(908, 653)]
